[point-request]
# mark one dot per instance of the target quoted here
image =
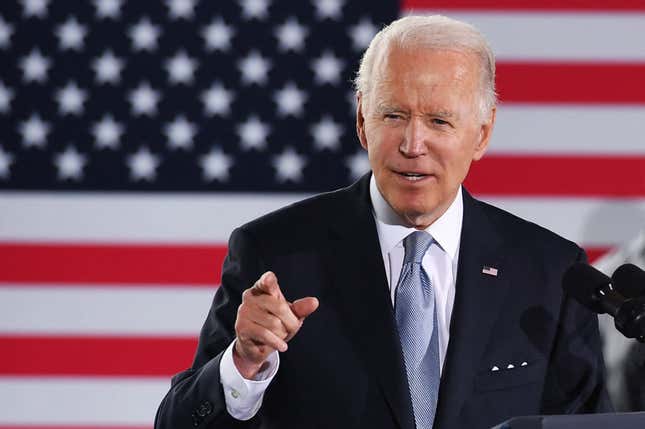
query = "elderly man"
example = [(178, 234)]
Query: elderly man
[(400, 301)]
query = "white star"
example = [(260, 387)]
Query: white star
[(6, 159), (108, 68), (218, 35), (144, 100), (253, 133), (255, 9), (107, 133), (358, 164), (36, 8), (144, 35), (217, 100), (362, 34), (6, 95), (180, 133), (108, 8), (181, 8), (34, 66), (215, 165), (327, 134), (290, 100), (143, 165), (181, 68), (254, 68), (70, 164), (70, 99), (291, 35), (71, 34), (327, 68), (6, 30), (34, 131), (289, 165), (328, 9)]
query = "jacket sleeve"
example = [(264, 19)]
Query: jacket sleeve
[(196, 398), (575, 380)]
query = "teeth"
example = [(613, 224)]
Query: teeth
[(413, 176)]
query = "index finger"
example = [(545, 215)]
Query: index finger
[(268, 284)]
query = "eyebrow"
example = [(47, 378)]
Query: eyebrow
[(385, 108), (443, 114)]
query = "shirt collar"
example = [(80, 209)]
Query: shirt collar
[(446, 230)]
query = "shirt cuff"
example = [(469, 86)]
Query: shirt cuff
[(244, 397)]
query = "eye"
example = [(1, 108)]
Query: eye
[(393, 116), (441, 122)]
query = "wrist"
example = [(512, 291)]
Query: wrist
[(247, 368)]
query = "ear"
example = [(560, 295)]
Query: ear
[(485, 133), (360, 120)]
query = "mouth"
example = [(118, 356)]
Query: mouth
[(412, 176)]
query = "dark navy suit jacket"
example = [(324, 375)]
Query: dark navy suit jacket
[(345, 369)]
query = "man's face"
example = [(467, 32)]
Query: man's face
[(421, 126)]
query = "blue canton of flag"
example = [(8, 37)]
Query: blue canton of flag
[(181, 94)]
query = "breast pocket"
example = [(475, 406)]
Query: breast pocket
[(506, 378)]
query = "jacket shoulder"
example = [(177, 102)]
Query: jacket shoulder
[(309, 214), (524, 233)]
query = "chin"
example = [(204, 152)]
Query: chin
[(418, 211)]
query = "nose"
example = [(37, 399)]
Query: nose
[(415, 139)]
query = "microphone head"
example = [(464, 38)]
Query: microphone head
[(629, 280), (582, 281)]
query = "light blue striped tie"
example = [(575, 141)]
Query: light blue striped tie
[(416, 317)]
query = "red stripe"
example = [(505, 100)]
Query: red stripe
[(94, 356), (593, 253), (598, 83), (111, 264), (528, 5), (592, 176)]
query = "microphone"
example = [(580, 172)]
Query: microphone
[(629, 280), (596, 291)]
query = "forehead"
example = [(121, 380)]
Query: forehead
[(401, 70)]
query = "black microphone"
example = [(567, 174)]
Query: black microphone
[(629, 280), (596, 291)]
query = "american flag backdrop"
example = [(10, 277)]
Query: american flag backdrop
[(134, 136)]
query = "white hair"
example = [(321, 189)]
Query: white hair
[(432, 32)]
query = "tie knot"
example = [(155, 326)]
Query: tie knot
[(416, 245)]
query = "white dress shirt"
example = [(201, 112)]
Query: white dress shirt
[(439, 262), (244, 397)]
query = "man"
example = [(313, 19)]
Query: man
[(400, 301)]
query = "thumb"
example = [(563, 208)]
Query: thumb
[(304, 307)]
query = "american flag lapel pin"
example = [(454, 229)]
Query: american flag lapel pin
[(490, 271)]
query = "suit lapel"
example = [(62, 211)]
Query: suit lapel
[(363, 299), (478, 299)]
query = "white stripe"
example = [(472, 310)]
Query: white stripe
[(592, 221), (615, 130), (103, 311), (129, 217), (560, 36), (586, 221), (80, 401)]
